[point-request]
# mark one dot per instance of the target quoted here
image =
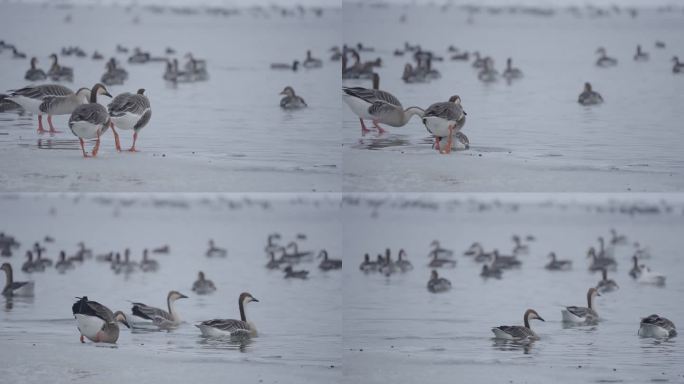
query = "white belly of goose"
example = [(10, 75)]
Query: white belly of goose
[(652, 330), (569, 317), (499, 334), (85, 130), (437, 126), (29, 104), (126, 121), (358, 106), (89, 326)]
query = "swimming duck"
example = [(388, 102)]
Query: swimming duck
[(90, 121), (129, 111), (33, 73), (438, 284), (443, 119), (603, 60), (557, 265), (328, 264), (517, 332), (657, 327), (146, 315), (97, 322), (203, 286), (230, 327), (583, 315), (291, 100), (606, 284), (15, 288), (215, 251)]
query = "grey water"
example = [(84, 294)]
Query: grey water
[(299, 322), (396, 331)]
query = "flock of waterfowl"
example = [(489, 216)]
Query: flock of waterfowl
[(98, 323), (494, 265)]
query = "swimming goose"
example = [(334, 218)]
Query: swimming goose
[(121, 49), (605, 61), (163, 249), (129, 111), (388, 266), (488, 271), (58, 72), (292, 274), (443, 119), (479, 61), (291, 101), (616, 239), (274, 263), (30, 98), (463, 56), (657, 327), (635, 271), (97, 56), (475, 249), (271, 246), (15, 288), (97, 322), (63, 105), (90, 121), (139, 57), (603, 251), (519, 248), (648, 277), (402, 263), (589, 96), (34, 74), (215, 251), (678, 67), (377, 106), (582, 315), (295, 256), (411, 75), (294, 66), (504, 262), (598, 263), (17, 55), (41, 261), (146, 315), (203, 286), (511, 73), (606, 284), (659, 44), (311, 62), (557, 265), (29, 266), (639, 55), (147, 264), (328, 264), (436, 262), (113, 75), (488, 74), (438, 284), (230, 327), (63, 264), (437, 249), (367, 265), (358, 70), (517, 332)]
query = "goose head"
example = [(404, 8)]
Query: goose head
[(587, 87), (456, 99), (433, 274), (98, 89), (323, 254), (531, 314), (7, 267), (175, 295), (246, 297), (121, 317), (601, 51), (288, 91)]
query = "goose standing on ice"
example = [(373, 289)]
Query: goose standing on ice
[(328, 264), (145, 315), (63, 105), (438, 284), (589, 96), (15, 288), (203, 286), (30, 98), (606, 284), (97, 322), (35, 74), (582, 315), (557, 265), (657, 327), (443, 119), (230, 327), (517, 332), (291, 100), (90, 121), (377, 106), (603, 60), (129, 111)]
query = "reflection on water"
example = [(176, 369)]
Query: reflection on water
[(513, 345)]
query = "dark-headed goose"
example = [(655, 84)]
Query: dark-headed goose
[(327, 263), (603, 60)]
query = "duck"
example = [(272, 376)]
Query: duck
[(90, 121), (443, 119), (30, 98), (517, 332), (292, 274), (147, 264), (511, 73), (97, 322), (311, 62), (230, 327), (58, 72), (146, 315), (488, 271), (291, 101), (63, 105), (403, 264), (129, 111), (678, 67), (640, 55), (598, 263), (378, 106), (656, 326), (15, 288), (649, 277), (582, 315), (33, 73), (203, 286), (438, 284), (328, 264), (606, 284), (504, 262), (488, 74), (215, 251), (603, 60), (63, 264), (557, 265), (293, 67), (367, 265)]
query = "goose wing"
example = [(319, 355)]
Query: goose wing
[(372, 95), (92, 113), (516, 331), (150, 313), (92, 308), (445, 110), (228, 325), (41, 91), (578, 311), (128, 103)]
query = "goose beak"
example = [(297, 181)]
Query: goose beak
[(282, 93), (124, 322), (182, 296), (254, 299), (107, 94)]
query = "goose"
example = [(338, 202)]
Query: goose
[(488, 74), (519, 248), (311, 62), (582, 315), (291, 100), (139, 57), (30, 98), (194, 64), (90, 121), (511, 73), (463, 56), (121, 49), (436, 262), (295, 256), (438, 284), (33, 73), (557, 265), (367, 265), (361, 48), (336, 54), (271, 246), (659, 44), (639, 55), (292, 274), (603, 60), (215, 251), (678, 67), (163, 249), (230, 327), (145, 315), (42, 262), (173, 74), (378, 106), (358, 70), (58, 72), (656, 326), (82, 252), (147, 264), (475, 249), (17, 55), (196, 69), (616, 239), (517, 332), (605, 252), (28, 266), (15, 288), (649, 277), (598, 263), (274, 263), (482, 256), (63, 264), (113, 75), (425, 69), (63, 105), (504, 262), (641, 252), (479, 61), (97, 56), (443, 119), (589, 96), (129, 111), (488, 271), (437, 249), (294, 66), (97, 322), (203, 286), (411, 75), (635, 271), (328, 264), (606, 284), (402, 263)]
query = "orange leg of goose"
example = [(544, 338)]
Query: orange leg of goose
[(40, 124), (380, 130), (116, 137), (97, 146), (364, 130), (84, 153), (52, 127), (82, 339), (135, 137), (450, 139)]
